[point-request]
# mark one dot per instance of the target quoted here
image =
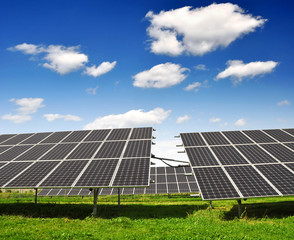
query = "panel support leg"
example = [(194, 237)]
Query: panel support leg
[(36, 195), (239, 208), (95, 202), (118, 196), (210, 204)]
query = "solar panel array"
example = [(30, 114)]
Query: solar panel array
[(166, 180), (242, 164), (89, 158)]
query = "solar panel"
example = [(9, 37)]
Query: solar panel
[(84, 151), (35, 152), (36, 138), (201, 156), (214, 183), (119, 134), (138, 149), (97, 135), (279, 135), (59, 152), (111, 150), (258, 136), (192, 139), (282, 153), (214, 138), (2, 149), (237, 137), (290, 131), (56, 137), (251, 166), (76, 136), (5, 137), (14, 152), (142, 133), (16, 139), (228, 155)]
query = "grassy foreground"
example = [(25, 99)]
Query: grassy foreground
[(143, 217)]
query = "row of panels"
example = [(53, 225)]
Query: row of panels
[(165, 180), (113, 149), (240, 154), (79, 173), (237, 137), (76, 136), (245, 181)]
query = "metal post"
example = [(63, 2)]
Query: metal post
[(210, 204), (36, 195), (118, 196), (95, 202), (239, 208)]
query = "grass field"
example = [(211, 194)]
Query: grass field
[(144, 217)]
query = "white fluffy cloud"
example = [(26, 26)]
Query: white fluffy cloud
[(200, 30), (27, 48), (52, 117), (215, 120), (182, 119), (193, 86), (201, 67), (132, 118), (103, 68), (238, 70), (160, 76), (92, 91), (240, 122), (284, 103), (27, 107)]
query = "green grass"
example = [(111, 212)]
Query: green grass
[(144, 217)]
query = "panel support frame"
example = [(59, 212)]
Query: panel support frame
[(95, 201)]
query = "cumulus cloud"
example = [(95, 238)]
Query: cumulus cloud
[(58, 58), (160, 76), (182, 119), (92, 91), (201, 67), (215, 120), (27, 107), (284, 103), (240, 122), (200, 30), (237, 70), (52, 117), (132, 118), (193, 86), (103, 68)]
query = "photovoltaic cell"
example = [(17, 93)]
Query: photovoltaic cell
[(56, 137), (63, 192), (214, 184), (97, 135), (184, 187), (74, 191), (16, 139), (84, 151), (98, 173), (35, 152), (237, 137), (170, 170), (279, 176), (2, 164), (4, 148), (290, 145), (171, 178), (119, 134), (290, 130), (192, 139), (133, 172), (258, 136), (172, 188), (76, 136), (160, 170), (36, 138), (161, 188), (111, 150), (59, 152), (249, 182), (142, 133), (138, 149), (44, 192), (228, 155), (290, 165), (161, 179), (5, 137), (279, 151), (33, 175), (65, 174), (14, 152), (280, 135), (11, 170), (214, 138), (201, 156)]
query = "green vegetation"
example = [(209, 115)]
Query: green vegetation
[(143, 217)]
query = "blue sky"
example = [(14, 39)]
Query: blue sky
[(50, 52)]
